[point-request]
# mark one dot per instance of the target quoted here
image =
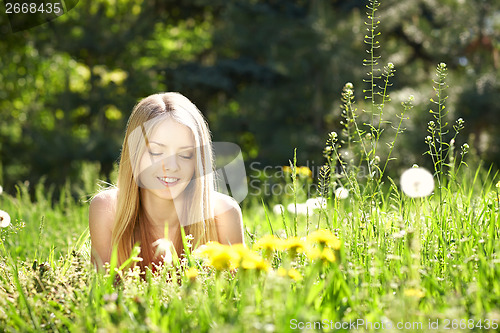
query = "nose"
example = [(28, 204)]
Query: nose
[(170, 164)]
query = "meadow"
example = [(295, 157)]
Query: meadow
[(345, 246), (406, 264)]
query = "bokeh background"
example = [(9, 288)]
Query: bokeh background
[(266, 74)]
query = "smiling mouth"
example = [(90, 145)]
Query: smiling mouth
[(169, 181)]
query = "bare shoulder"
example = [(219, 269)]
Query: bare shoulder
[(103, 207), (228, 219), (102, 213), (224, 202)]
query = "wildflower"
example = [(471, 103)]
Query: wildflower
[(191, 274), (465, 148), (324, 238), (4, 219), (417, 182), (220, 256), (304, 171), (342, 193), (294, 245), (269, 243), (253, 261), (294, 274), (291, 273), (241, 250), (287, 169), (110, 297), (164, 248), (325, 255), (300, 208), (208, 249), (248, 259), (282, 272), (262, 265), (225, 258), (277, 209), (1, 190), (414, 293), (316, 203)]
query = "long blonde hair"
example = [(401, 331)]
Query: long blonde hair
[(131, 226)]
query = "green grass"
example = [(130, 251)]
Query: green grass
[(426, 264), (48, 284)]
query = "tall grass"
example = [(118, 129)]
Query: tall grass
[(400, 261), (56, 289)]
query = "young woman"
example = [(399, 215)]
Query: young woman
[(165, 182)]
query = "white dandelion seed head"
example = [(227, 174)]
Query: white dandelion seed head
[(4, 219), (417, 182), (316, 203), (164, 248), (342, 193), (302, 209), (277, 209)]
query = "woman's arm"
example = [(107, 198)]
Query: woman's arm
[(101, 220), (228, 220)]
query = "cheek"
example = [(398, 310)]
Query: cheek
[(189, 167), (144, 163)]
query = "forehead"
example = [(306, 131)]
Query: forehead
[(172, 133)]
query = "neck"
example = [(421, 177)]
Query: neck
[(160, 212)]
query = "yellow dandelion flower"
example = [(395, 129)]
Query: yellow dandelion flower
[(269, 243), (262, 265), (294, 244), (294, 274), (286, 169), (248, 259), (325, 255), (254, 261), (208, 249), (241, 250), (220, 256), (324, 237), (304, 171), (191, 273), (414, 293), (282, 272), (226, 258)]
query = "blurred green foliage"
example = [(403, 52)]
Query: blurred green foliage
[(267, 75)]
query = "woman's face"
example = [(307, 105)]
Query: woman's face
[(168, 164)]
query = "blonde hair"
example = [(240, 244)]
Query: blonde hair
[(197, 216)]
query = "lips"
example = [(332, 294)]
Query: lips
[(169, 181)]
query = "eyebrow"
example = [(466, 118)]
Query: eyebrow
[(162, 145)]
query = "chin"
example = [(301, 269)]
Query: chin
[(167, 194)]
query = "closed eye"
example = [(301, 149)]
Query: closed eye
[(154, 154), (187, 156)]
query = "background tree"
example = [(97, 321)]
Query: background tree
[(267, 74)]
